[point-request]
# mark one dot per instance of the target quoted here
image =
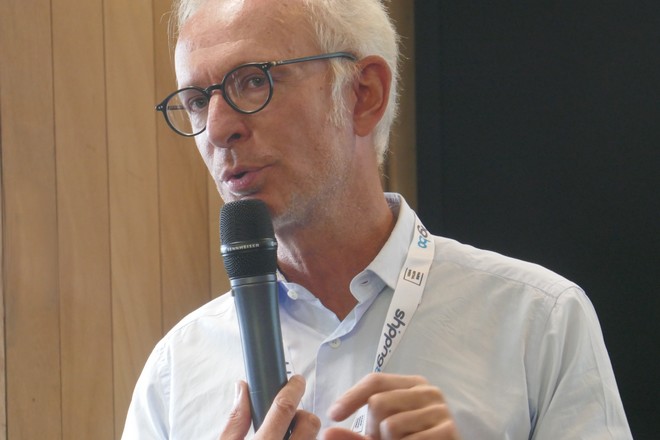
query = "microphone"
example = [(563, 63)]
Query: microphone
[(249, 251)]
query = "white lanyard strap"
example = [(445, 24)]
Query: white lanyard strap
[(405, 300)]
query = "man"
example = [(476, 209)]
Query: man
[(438, 338)]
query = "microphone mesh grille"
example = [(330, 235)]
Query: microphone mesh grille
[(248, 221)]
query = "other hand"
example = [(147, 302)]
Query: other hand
[(279, 416), (398, 406)]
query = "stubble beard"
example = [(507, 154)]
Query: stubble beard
[(307, 208)]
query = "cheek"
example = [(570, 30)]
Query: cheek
[(204, 148), (207, 153)]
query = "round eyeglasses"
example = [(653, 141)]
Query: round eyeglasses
[(247, 88)]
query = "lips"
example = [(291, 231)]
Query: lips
[(243, 180), (237, 173)]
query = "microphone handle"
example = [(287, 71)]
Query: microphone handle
[(256, 303)]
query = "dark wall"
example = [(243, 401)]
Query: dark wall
[(539, 137)]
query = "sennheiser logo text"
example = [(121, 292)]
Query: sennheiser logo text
[(242, 247)]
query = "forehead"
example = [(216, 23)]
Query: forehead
[(230, 32)]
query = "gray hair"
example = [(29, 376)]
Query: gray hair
[(362, 27)]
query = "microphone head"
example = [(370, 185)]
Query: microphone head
[(248, 244)]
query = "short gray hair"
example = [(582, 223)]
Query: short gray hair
[(362, 27)]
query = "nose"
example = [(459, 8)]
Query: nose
[(225, 126)]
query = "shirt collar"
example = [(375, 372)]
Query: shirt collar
[(385, 268), (389, 261)]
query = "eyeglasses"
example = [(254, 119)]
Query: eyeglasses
[(247, 89)]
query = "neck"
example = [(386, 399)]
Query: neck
[(326, 254)]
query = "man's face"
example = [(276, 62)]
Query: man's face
[(289, 154)]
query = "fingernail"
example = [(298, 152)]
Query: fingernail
[(332, 411), (237, 394)]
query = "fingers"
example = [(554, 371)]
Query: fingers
[(442, 431), (341, 434), (433, 422), (284, 408), (370, 385), (240, 417), (420, 405), (282, 412), (398, 407), (306, 427)]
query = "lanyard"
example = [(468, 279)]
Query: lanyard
[(405, 300)]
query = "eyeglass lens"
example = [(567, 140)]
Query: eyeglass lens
[(247, 89)]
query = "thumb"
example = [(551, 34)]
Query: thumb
[(240, 417), (336, 433)]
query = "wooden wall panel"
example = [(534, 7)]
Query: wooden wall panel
[(3, 359), (30, 225), (133, 180), (83, 220), (183, 198)]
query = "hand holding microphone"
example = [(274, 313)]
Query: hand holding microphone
[(277, 421), (249, 250)]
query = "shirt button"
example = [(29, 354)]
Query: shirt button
[(335, 343), (292, 294)]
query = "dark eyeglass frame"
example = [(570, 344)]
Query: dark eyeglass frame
[(265, 67)]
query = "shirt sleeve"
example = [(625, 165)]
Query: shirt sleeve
[(577, 392), (147, 417)]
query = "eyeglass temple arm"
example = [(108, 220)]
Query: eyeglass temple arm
[(314, 57)]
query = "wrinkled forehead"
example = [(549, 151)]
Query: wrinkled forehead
[(215, 21), (222, 34)]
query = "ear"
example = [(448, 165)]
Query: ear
[(372, 92)]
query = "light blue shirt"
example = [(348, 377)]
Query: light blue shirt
[(516, 350)]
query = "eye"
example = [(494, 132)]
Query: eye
[(197, 103), (247, 78), (254, 81)]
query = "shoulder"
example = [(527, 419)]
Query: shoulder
[(218, 310), (214, 320), (483, 266), (167, 397), (204, 337)]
